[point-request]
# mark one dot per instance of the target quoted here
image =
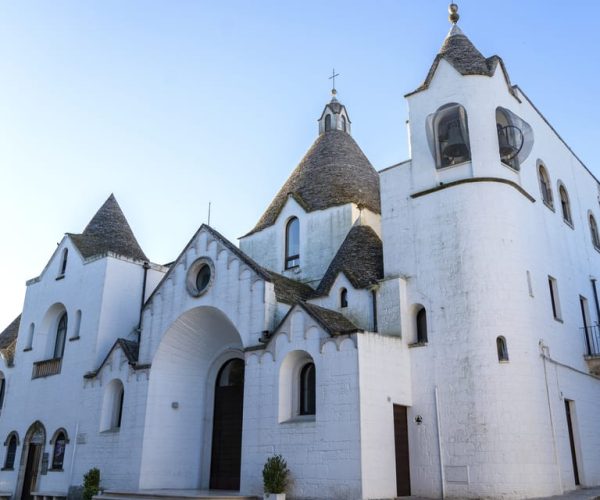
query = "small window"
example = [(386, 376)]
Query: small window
[(58, 453), (502, 349), (77, 325), (448, 135), (344, 127), (421, 326), (553, 287), (2, 390), (292, 243), (594, 233), (343, 298), (307, 389), (112, 406), (327, 122), (61, 335), (11, 451), (63, 262), (545, 188), (30, 333), (565, 205)]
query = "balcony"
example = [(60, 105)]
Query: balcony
[(592, 348), (46, 368)]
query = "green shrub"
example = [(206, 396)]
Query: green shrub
[(275, 474), (91, 484)]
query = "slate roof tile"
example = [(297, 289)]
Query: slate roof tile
[(108, 231), (333, 172)]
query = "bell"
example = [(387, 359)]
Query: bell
[(455, 144), (507, 147)]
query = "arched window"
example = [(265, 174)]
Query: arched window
[(63, 262), (448, 135), (594, 232), (61, 335), (11, 443), (112, 406), (545, 188), (565, 205), (77, 325), (30, 333), (292, 243), (58, 453), (344, 127), (421, 320), (307, 389), (502, 349), (327, 122), (343, 297)]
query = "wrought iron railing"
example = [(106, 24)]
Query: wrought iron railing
[(592, 340), (46, 368)]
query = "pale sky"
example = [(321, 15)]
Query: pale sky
[(172, 104)]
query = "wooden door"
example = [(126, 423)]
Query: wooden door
[(226, 456), (401, 446), (31, 470)]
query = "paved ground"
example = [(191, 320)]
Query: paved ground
[(583, 494)]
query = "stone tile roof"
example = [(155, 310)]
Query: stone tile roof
[(8, 340), (108, 231), (360, 258), (460, 52), (333, 172), (333, 322)]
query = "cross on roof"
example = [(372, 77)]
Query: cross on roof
[(332, 77)]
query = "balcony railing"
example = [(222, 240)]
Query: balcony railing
[(46, 368), (592, 340)]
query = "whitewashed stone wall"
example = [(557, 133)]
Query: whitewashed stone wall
[(323, 454)]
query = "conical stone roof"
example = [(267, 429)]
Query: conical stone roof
[(108, 231), (464, 57), (333, 172)]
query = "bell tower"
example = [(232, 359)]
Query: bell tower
[(334, 116)]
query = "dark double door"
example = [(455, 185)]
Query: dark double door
[(226, 455)]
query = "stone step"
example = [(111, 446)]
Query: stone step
[(172, 494)]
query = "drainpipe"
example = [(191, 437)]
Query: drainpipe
[(139, 327), (74, 452), (439, 435), (543, 350)]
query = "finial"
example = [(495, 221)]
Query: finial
[(332, 77), (453, 11)]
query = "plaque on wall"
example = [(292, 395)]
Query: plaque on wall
[(44, 464)]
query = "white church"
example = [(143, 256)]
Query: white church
[(431, 328)]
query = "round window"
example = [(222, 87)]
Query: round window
[(203, 278), (200, 276)]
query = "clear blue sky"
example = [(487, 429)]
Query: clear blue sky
[(170, 104)]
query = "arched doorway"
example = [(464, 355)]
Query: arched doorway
[(176, 451), (226, 455), (31, 459)]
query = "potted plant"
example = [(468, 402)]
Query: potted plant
[(91, 484), (275, 478)]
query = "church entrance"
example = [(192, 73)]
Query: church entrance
[(226, 455), (33, 448)]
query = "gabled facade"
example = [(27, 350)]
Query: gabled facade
[(429, 329)]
